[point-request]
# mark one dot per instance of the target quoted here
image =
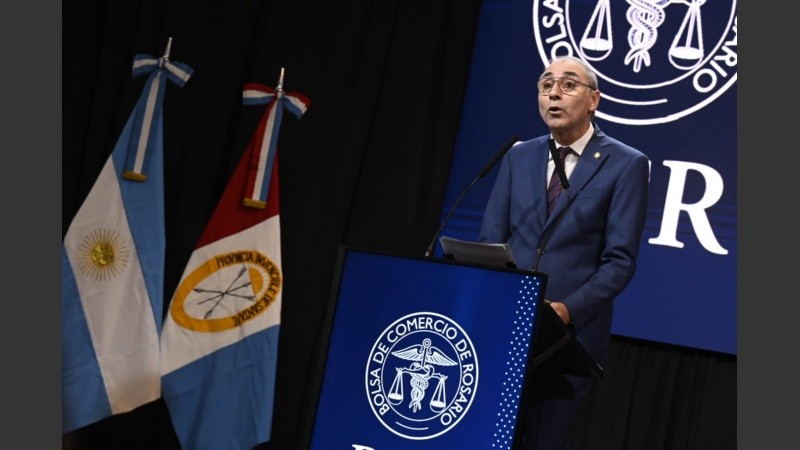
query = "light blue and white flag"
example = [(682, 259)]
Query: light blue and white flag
[(112, 268)]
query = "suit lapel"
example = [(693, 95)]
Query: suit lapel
[(589, 163), (537, 159)]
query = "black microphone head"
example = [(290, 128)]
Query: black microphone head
[(510, 143), (551, 144), (500, 153)]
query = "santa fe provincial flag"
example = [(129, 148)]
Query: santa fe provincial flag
[(112, 265), (220, 339)]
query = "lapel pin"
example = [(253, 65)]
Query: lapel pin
[(596, 155)]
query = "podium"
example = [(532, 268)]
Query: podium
[(422, 354)]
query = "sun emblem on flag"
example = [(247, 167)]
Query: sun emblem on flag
[(102, 254)]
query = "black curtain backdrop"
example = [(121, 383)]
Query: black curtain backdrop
[(367, 166)]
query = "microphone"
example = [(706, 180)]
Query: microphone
[(497, 156), (562, 174)]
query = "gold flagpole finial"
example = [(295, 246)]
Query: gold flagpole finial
[(169, 47), (280, 82)]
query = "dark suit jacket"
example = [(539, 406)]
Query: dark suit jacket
[(590, 256)]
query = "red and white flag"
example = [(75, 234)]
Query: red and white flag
[(219, 342)]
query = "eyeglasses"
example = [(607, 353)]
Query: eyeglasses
[(545, 85)]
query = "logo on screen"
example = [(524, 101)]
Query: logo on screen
[(421, 375), (656, 60)]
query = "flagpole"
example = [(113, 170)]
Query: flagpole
[(279, 88), (169, 48)]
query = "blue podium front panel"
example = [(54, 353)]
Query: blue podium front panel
[(424, 354)]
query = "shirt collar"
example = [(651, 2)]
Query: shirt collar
[(581, 143)]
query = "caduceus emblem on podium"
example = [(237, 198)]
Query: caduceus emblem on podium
[(421, 375), (421, 371)]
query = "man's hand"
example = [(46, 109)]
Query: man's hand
[(561, 310)]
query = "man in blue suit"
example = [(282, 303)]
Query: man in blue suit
[(587, 245)]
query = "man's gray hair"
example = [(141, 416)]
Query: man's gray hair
[(589, 72)]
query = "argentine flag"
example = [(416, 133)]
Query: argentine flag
[(112, 268), (219, 345)]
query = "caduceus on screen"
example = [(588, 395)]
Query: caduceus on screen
[(421, 370)]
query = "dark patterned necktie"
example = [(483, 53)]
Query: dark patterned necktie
[(554, 188)]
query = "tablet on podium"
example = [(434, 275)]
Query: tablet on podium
[(478, 252)]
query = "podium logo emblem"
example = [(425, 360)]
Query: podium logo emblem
[(656, 60), (421, 376)]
